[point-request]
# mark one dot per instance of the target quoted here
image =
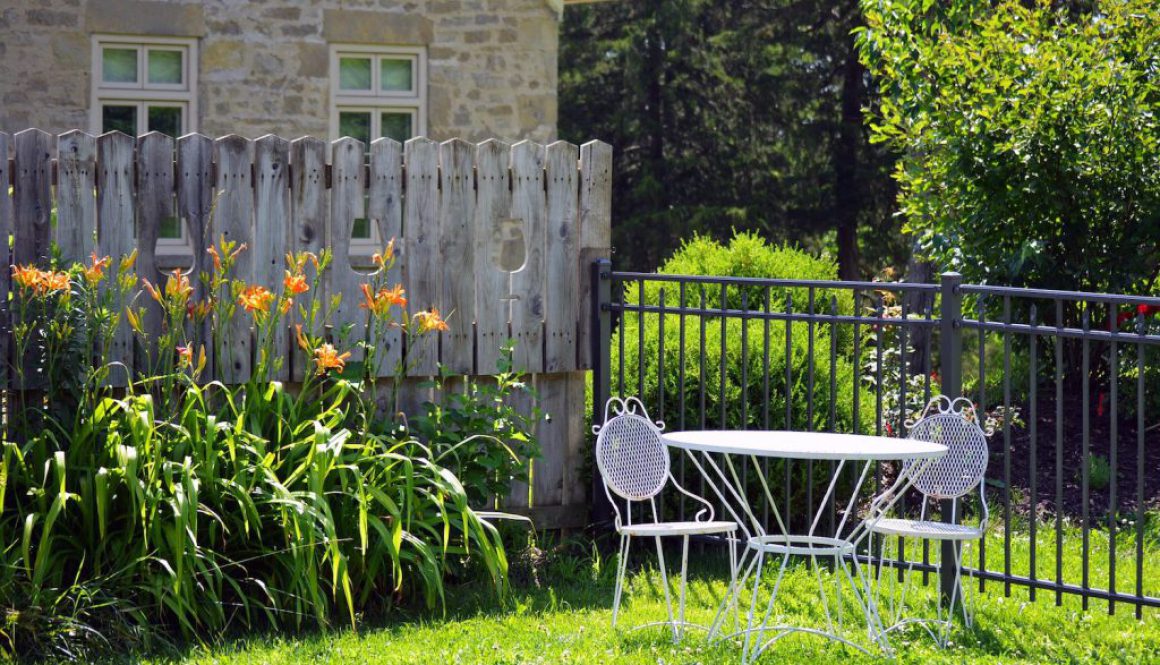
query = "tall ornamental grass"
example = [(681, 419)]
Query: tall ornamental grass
[(142, 508)]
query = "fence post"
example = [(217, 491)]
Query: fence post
[(951, 366), (601, 337)]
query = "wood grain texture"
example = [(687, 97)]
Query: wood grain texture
[(528, 307), (385, 209), (115, 226), (194, 207), (234, 219), (309, 208), (154, 205), (552, 433), (271, 236), (562, 270), (595, 233), (348, 186), (76, 197), (493, 207), (421, 230), (456, 249), (32, 197), (5, 260)]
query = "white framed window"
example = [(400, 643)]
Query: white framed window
[(146, 84), (377, 92)]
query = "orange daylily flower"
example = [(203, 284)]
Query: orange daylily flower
[(380, 303), (386, 256), (302, 341), (178, 285), (95, 272), (397, 295), (430, 320), (256, 298), (185, 355), (284, 308), (26, 277), (328, 358), (295, 284)]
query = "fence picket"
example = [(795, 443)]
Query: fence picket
[(385, 209), (33, 198), (456, 214), (595, 232), (529, 206), (493, 209), (233, 215), (5, 259), (194, 208), (76, 199), (421, 229), (115, 224), (154, 206), (562, 278), (309, 203), (346, 205), (271, 234)]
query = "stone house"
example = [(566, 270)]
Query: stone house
[(327, 68)]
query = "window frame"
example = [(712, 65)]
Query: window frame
[(375, 101), (171, 252)]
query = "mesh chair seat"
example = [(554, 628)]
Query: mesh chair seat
[(926, 529), (678, 528)]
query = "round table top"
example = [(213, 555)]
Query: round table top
[(804, 445)]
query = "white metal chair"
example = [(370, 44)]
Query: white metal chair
[(634, 465), (952, 423)]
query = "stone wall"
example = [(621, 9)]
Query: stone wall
[(263, 66)]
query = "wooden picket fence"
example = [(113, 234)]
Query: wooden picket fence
[(458, 211)]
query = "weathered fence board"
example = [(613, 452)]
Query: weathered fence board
[(421, 228), (5, 259), (76, 198), (456, 249), (562, 278), (493, 286), (528, 206), (497, 237), (115, 222)]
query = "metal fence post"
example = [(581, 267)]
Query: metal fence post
[(601, 327), (951, 366)]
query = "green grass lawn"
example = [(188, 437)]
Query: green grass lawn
[(566, 620)]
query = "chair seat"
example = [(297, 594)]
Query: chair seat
[(926, 529), (678, 528)]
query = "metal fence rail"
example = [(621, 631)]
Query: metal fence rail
[(1066, 378)]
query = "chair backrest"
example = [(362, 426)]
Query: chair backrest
[(632, 459), (954, 425)]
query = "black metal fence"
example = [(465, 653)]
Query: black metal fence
[(1069, 382)]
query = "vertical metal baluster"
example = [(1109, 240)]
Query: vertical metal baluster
[(681, 382), (702, 319), (661, 378), (857, 362), (880, 327), (765, 396), (903, 376), (1033, 423), (810, 394), (640, 341), (982, 410), (833, 415), (745, 377), (1059, 452), (788, 398), (1140, 358), (1006, 447), (620, 341), (1113, 455), (928, 363), (723, 368), (1085, 482)]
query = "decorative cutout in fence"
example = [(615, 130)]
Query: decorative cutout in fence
[(458, 211)]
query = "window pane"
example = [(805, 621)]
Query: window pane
[(170, 228), (396, 126), (354, 73), (165, 67), (360, 229), (165, 119), (396, 75), (119, 65), (355, 125), (119, 119)]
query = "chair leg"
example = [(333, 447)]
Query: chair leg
[(621, 565), (684, 584), (752, 608), (665, 584)]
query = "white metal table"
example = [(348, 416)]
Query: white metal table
[(840, 545)]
